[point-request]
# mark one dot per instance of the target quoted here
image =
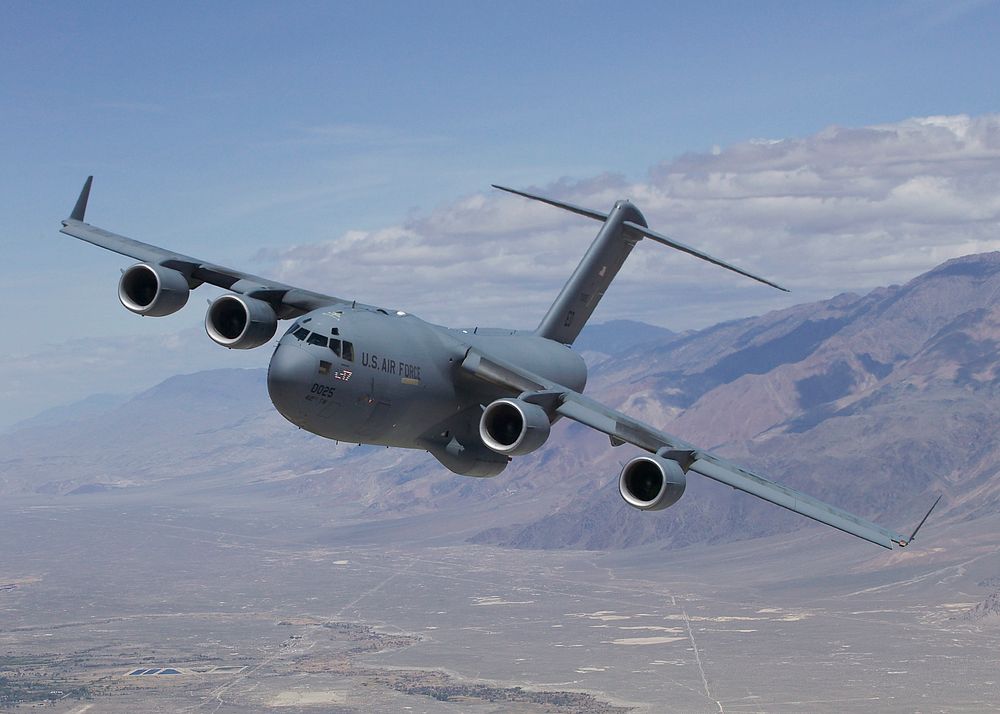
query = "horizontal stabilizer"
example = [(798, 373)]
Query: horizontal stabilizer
[(659, 238), (596, 215), (634, 228)]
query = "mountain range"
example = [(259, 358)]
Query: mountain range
[(873, 402)]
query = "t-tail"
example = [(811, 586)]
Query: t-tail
[(623, 227)]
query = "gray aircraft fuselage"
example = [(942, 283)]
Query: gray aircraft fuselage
[(399, 383)]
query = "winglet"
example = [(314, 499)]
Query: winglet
[(81, 203), (904, 543)]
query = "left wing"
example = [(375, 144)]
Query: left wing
[(622, 429), (288, 300)]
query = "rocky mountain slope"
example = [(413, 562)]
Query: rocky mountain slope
[(872, 402)]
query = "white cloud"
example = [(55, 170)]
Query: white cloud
[(844, 209)]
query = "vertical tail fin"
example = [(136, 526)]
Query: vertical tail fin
[(623, 227), (585, 288)]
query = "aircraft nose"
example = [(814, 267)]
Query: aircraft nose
[(289, 376)]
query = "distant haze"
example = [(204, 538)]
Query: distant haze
[(843, 209), (876, 403)]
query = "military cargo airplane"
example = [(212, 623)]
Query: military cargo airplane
[(472, 398)]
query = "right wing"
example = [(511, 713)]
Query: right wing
[(622, 428), (288, 300)]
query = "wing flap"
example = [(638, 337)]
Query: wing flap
[(289, 300), (120, 244), (622, 428), (780, 495)]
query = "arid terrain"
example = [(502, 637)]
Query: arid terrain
[(118, 605), (185, 549)]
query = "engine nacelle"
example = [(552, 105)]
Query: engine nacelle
[(153, 290), (240, 322), (513, 427), (652, 483)]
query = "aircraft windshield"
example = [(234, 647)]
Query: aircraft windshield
[(341, 348)]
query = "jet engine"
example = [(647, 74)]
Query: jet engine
[(240, 322), (153, 290), (513, 427), (652, 483)]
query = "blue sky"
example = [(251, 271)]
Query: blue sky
[(234, 130)]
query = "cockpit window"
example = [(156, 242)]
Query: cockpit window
[(344, 350)]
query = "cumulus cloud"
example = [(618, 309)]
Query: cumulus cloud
[(843, 209), (846, 209)]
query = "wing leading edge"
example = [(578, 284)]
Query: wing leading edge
[(623, 429), (288, 300)]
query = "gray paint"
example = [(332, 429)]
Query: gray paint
[(585, 288), (412, 384)]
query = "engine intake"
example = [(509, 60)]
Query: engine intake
[(240, 322), (152, 290), (513, 427), (652, 483)]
